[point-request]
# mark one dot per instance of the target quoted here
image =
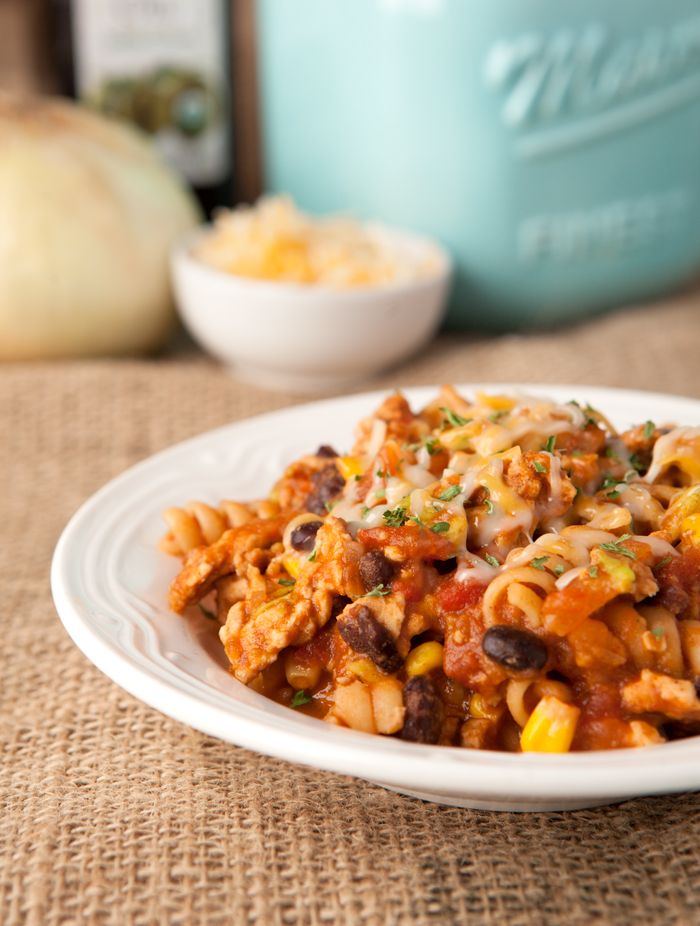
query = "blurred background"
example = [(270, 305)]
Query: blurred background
[(553, 150), (35, 58)]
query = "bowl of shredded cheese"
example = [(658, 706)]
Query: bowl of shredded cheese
[(304, 304)]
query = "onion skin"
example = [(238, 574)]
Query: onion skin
[(88, 213)]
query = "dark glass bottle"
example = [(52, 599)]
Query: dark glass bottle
[(165, 66)]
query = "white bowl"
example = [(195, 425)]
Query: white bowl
[(307, 337)]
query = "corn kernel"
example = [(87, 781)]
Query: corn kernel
[(349, 467), (424, 658), (691, 525), (366, 670), (551, 726), (292, 565)]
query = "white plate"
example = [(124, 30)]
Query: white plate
[(109, 583)]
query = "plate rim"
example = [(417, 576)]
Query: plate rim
[(606, 774)]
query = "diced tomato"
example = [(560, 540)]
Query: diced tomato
[(456, 596)]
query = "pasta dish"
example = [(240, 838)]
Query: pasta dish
[(494, 572)]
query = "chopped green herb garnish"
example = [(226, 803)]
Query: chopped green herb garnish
[(538, 562), (610, 453), (449, 493), (649, 429), (615, 546), (377, 592), (491, 560), (396, 517), (579, 493), (331, 505), (358, 476), (381, 474), (286, 581), (657, 632), (558, 569), (496, 415), (489, 506), (551, 441), (663, 562), (630, 475), (311, 558), (613, 493), (539, 468), (593, 572), (207, 613), (416, 520), (440, 527), (364, 511), (577, 453), (433, 446), (379, 493), (455, 420), (637, 463), (300, 698)]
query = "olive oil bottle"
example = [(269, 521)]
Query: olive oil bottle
[(165, 66)]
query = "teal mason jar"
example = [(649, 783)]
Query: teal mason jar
[(553, 147)]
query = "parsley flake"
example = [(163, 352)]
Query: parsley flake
[(207, 613), (577, 453), (300, 698), (331, 505), (455, 420), (311, 558), (364, 512), (380, 493), (649, 429), (558, 569), (489, 506), (449, 493), (615, 546), (416, 520), (497, 415), (491, 560), (357, 477), (440, 527), (286, 581), (538, 562), (657, 632), (539, 467), (610, 453), (396, 517), (377, 592), (593, 572), (635, 461), (613, 493), (551, 441), (663, 562), (433, 446)]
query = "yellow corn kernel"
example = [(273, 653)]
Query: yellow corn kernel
[(366, 670), (621, 574), (349, 467), (292, 565), (479, 707), (551, 726), (691, 525), (424, 658)]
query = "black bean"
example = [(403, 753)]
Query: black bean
[(514, 648), (445, 566), (327, 486), (366, 635), (424, 710), (303, 536), (339, 605), (325, 451), (376, 569)]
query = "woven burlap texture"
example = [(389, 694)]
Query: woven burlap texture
[(114, 815)]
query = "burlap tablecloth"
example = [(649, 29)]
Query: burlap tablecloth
[(114, 814)]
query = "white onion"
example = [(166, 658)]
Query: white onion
[(87, 216)]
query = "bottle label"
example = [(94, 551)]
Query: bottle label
[(162, 64)]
